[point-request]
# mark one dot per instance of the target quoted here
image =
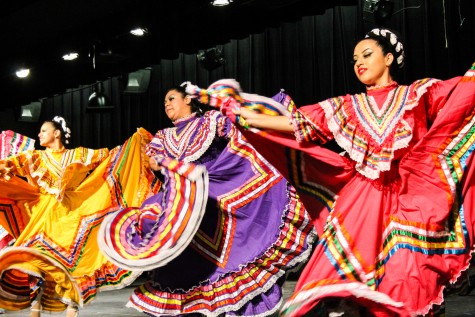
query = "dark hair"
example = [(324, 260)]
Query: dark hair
[(59, 123), (390, 42), (196, 106)]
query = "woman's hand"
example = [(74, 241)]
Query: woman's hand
[(247, 114), (154, 165), (5, 171), (264, 121)]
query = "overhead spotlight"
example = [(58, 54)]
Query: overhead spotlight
[(211, 58), (377, 11), (22, 73), (383, 11), (221, 3), (98, 101), (139, 32), (368, 10), (70, 56)]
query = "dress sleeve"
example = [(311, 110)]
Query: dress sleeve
[(437, 95), (310, 124), (225, 128), (94, 157), (155, 147)]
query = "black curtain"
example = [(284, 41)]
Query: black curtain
[(309, 58)]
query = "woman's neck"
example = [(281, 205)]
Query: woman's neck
[(383, 81), (380, 86), (55, 147)]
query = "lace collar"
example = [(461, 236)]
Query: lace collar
[(184, 119), (377, 88)]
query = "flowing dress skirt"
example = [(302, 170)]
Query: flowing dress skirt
[(57, 248), (253, 230)]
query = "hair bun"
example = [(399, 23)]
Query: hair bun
[(66, 130), (393, 39)]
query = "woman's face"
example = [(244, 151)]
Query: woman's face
[(371, 65), (48, 134), (177, 106)]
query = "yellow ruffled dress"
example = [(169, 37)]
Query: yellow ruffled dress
[(67, 196)]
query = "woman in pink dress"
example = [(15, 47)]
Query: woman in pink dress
[(400, 228)]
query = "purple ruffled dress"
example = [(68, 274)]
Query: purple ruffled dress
[(234, 258)]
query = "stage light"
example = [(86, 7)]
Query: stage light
[(70, 56), (377, 11), (220, 3), (383, 11), (98, 100), (138, 81), (210, 58), (30, 112), (22, 73), (139, 32)]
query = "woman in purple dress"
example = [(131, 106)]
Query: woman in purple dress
[(233, 257)]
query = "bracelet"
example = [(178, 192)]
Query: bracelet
[(242, 122)]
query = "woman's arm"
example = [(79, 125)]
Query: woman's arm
[(437, 95), (264, 121)]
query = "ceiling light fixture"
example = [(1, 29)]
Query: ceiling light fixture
[(211, 58), (139, 32), (220, 3), (138, 81), (70, 56), (22, 73), (383, 10), (30, 112), (377, 11)]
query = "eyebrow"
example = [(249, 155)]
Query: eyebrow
[(362, 51)]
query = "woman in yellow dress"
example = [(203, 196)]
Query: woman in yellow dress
[(55, 263)]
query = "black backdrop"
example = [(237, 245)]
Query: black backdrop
[(309, 58)]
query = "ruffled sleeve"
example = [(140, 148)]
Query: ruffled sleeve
[(369, 134), (310, 124), (89, 157), (54, 176), (20, 164), (155, 147), (225, 128)]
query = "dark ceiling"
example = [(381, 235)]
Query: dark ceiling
[(36, 33)]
